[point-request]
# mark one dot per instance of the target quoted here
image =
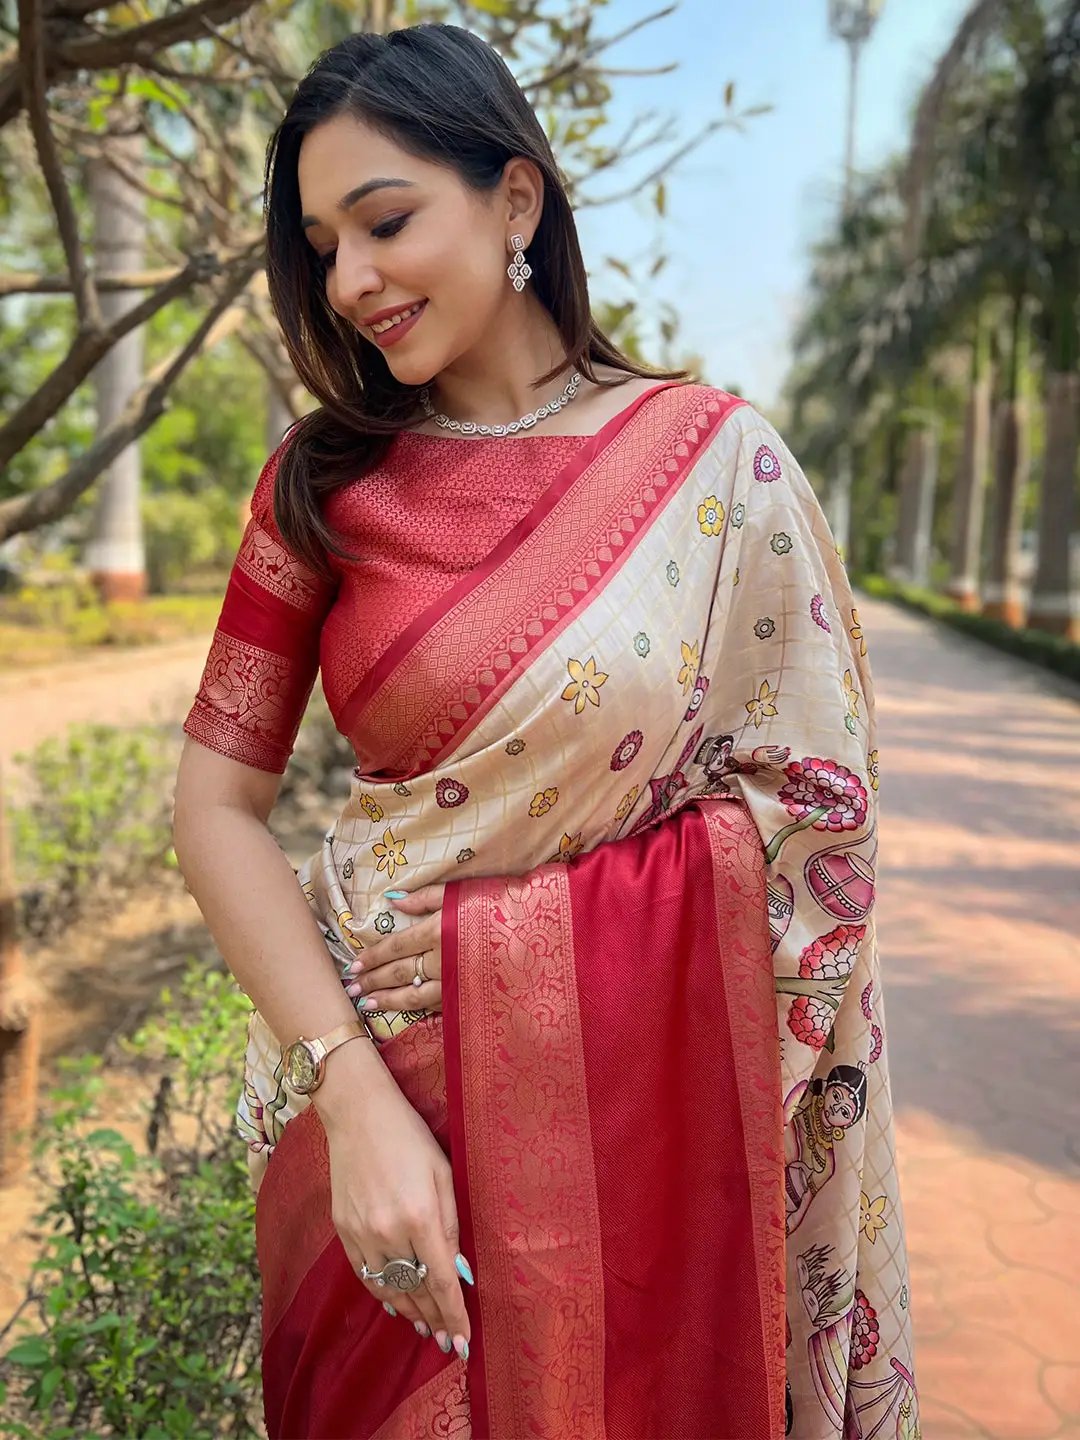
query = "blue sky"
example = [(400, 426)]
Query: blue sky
[(743, 211)]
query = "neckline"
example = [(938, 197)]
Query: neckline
[(612, 420)]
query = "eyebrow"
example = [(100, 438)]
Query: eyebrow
[(368, 188)]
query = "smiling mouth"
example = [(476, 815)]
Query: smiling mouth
[(399, 319)]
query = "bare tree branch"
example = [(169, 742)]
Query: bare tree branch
[(12, 283), (32, 65), (589, 52), (84, 48), (88, 348), (27, 512), (586, 202)]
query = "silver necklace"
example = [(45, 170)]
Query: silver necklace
[(471, 427)]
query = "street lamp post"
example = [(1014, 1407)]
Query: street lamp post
[(853, 22)]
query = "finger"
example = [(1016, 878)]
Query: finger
[(406, 997), (426, 965), (444, 1285), (424, 935), (417, 902), (397, 1303)]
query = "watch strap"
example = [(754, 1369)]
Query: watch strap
[(348, 1030)]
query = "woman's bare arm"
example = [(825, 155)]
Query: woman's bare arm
[(257, 914)]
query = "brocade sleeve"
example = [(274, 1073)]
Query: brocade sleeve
[(265, 653)]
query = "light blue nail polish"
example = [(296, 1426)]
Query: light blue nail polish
[(396, 894), (421, 1329), (462, 1267), (389, 1309), (461, 1345), (445, 1344)]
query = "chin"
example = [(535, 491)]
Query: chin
[(411, 370)]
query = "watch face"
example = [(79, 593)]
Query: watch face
[(299, 1068)]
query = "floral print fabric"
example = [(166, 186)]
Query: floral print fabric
[(723, 657)]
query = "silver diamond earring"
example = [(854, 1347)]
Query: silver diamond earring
[(520, 270)]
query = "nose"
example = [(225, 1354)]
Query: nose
[(355, 278)]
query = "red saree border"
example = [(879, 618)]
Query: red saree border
[(461, 654), (750, 991), (289, 1237), (542, 1323)]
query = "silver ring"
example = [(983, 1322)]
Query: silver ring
[(403, 1275), (419, 977)]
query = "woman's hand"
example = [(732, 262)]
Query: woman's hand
[(382, 977), (393, 1199)]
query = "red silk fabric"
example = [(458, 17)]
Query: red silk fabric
[(605, 1081)]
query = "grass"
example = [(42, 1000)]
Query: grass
[(48, 626)]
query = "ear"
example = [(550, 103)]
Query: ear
[(523, 185)]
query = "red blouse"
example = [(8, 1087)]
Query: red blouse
[(420, 521)]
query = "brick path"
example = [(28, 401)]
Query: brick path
[(979, 917)]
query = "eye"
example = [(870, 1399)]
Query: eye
[(386, 229)]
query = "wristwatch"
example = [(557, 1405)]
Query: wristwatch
[(305, 1060)]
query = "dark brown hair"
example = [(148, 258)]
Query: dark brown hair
[(443, 95)]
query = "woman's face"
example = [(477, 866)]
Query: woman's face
[(411, 244), (839, 1107)]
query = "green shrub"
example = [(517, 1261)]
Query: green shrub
[(1052, 652), (145, 1297), (98, 814), (188, 533)]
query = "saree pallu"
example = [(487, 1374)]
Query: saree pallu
[(652, 695)]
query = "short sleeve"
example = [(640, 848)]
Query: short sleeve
[(265, 653)]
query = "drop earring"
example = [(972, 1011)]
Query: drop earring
[(520, 270)]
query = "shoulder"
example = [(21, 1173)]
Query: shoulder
[(262, 499)]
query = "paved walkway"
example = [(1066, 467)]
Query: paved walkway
[(124, 687), (980, 929), (979, 919)]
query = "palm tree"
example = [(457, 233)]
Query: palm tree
[(970, 491), (1017, 61)]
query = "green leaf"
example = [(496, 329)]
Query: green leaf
[(660, 199), (31, 1352), (729, 94), (619, 265), (50, 1383)]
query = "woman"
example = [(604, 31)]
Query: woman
[(602, 891)]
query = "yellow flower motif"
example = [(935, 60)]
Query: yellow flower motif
[(371, 808), (855, 631), (542, 802), (691, 655), (345, 922), (569, 846), (626, 804), (390, 854), (584, 684), (736, 580), (763, 704), (852, 695), (872, 1216), (872, 769), (710, 515)]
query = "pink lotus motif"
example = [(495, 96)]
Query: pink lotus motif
[(864, 1332), (450, 793), (626, 749), (824, 967), (701, 689), (811, 1020), (817, 613), (821, 793), (867, 998), (766, 465), (876, 1044)]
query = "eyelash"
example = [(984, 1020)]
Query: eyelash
[(385, 230)]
